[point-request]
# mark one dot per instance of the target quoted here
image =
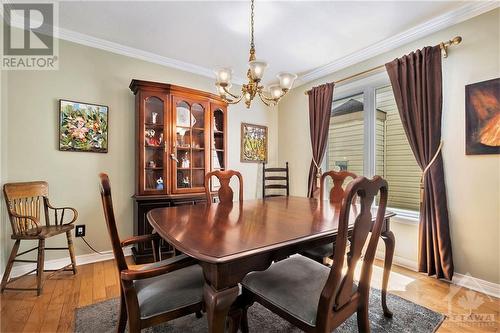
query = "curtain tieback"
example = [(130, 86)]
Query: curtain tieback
[(318, 174), (438, 151)]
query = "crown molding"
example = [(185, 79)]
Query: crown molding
[(102, 44), (441, 22)]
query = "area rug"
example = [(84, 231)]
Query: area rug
[(408, 317)]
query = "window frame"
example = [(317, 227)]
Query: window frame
[(368, 86)]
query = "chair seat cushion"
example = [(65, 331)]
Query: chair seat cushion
[(170, 291), (46, 232), (293, 284)]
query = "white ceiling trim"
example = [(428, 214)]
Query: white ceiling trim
[(438, 23), (98, 43)]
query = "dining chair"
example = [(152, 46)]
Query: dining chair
[(322, 253), (24, 203), (317, 298), (152, 293), (270, 177), (225, 193)]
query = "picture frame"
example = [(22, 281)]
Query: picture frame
[(482, 117), (83, 127), (254, 143)]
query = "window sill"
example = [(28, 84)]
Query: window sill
[(403, 216)]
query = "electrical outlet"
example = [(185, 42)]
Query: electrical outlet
[(80, 230)]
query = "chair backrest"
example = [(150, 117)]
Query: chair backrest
[(338, 290), (337, 192), (273, 175), (25, 199), (109, 215), (225, 193)]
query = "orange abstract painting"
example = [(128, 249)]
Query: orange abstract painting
[(482, 117)]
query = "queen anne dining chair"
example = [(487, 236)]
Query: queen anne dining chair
[(317, 298), (24, 204), (152, 293), (225, 193), (336, 195)]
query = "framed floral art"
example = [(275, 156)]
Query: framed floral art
[(253, 143), (83, 127)]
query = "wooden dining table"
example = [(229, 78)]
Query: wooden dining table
[(231, 240)]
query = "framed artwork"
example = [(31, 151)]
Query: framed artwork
[(253, 143), (83, 127), (482, 118)]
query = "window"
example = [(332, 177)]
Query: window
[(366, 137), (346, 135)]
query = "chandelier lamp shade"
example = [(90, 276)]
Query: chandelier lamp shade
[(253, 88)]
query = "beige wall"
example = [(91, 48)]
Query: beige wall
[(90, 75), (473, 182)]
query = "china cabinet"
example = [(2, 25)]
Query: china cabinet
[(180, 135)]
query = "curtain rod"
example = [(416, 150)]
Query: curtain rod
[(443, 45)]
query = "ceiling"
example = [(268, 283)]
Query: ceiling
[(295, 36)]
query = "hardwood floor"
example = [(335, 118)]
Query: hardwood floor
[(54, 310)]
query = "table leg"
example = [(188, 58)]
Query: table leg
[(390, 242), (217, 304)]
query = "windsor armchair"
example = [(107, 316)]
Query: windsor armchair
[(24, 206)]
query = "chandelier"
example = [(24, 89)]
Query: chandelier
[(254, 74)]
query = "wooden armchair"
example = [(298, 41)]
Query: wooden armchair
[(225, 193), (337, 194), (24, 202), (153, 293), (322, 303)]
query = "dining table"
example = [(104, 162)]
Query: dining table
[(232, 239)]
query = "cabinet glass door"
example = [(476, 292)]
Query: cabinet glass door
[(153, 160), (218, 149), (189, 157)]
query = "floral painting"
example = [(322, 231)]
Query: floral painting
[(482, 117), (83, 127), (253, 143)]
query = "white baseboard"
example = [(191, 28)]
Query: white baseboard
[(483, 286), (467, 281), (61, 262), (399, 261)]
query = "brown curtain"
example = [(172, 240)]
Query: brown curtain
[(417, 85), (320, 107)]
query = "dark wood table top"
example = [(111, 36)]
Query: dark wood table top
[(218, 233)]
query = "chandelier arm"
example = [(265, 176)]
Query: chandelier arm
[(269, 99), (233, 101), (232, 95), (266, 100)]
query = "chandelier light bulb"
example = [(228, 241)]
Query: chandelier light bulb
[(224, 76), (257, 68), (275, 91), (286, 80)]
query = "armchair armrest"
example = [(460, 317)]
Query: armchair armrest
[(171, 265), (139, 239), (60, 220), (28, 217)]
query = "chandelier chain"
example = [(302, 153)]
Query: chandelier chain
[(252, 44)]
